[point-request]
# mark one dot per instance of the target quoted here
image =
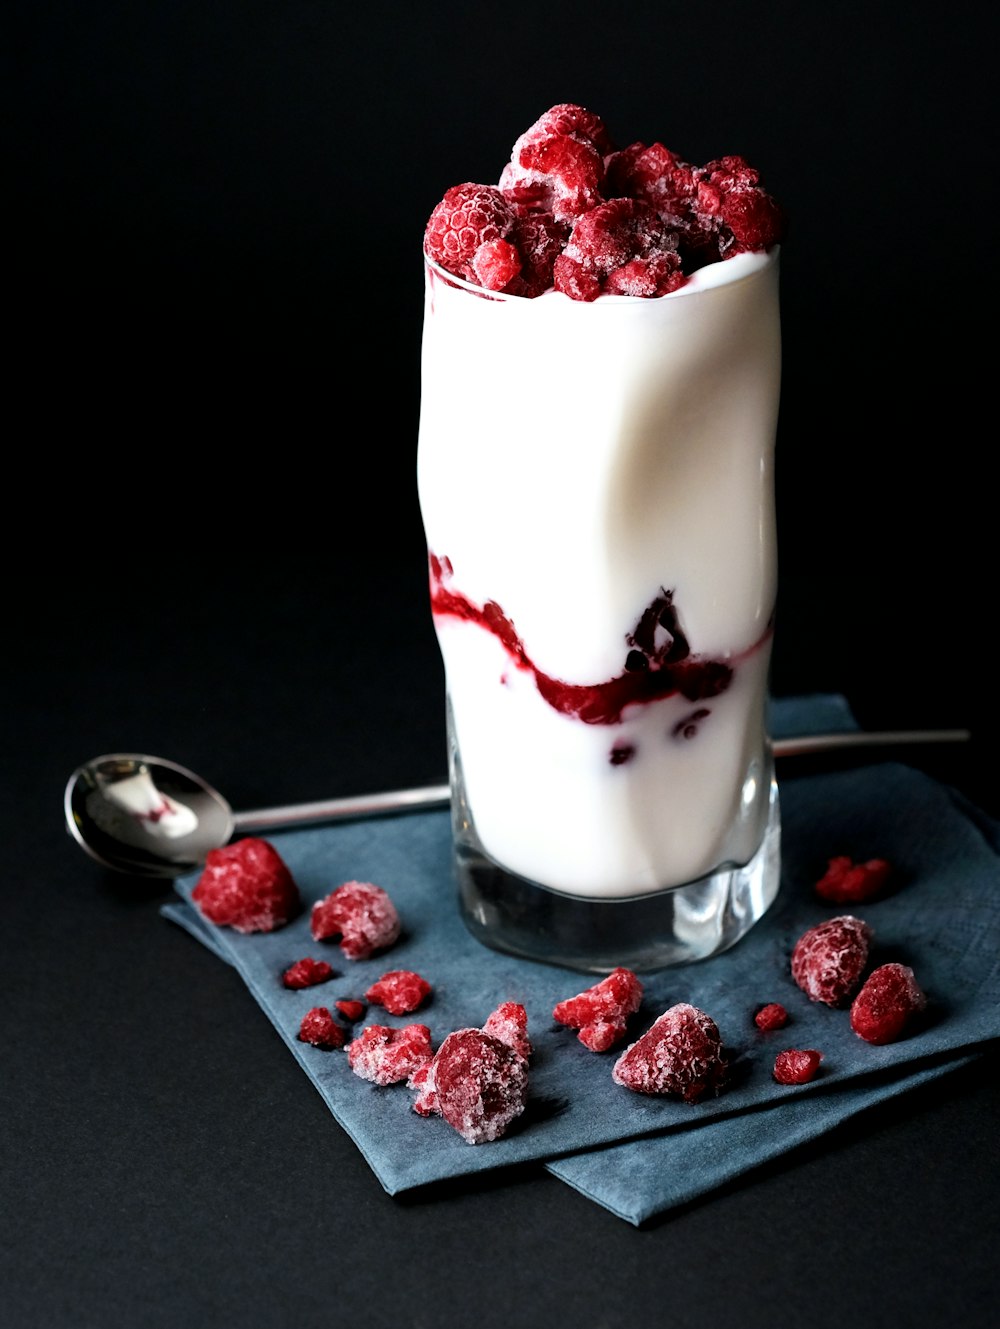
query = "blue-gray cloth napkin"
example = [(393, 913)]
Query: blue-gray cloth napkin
[(639, 1156)]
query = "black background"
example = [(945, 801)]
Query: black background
[(214, 553)]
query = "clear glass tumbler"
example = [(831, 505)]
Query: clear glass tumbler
[(596, 483)]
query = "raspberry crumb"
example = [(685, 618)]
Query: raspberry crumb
[(399, 991), (681, 1054), (319, 1028), (361, 914), (846, 882), (350, 1010), (828, 959), (889, 997), (389, 1056), (247, 886), (601, 1012), (306, 973), (797, 1065), (771, 1016)]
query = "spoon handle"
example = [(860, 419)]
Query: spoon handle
[(437, 795)]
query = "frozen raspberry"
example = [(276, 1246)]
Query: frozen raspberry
[(796, 1065), (771, 1016), (557, 165), (509, 1023), (350, 1010), (601, 1012), (389, 1056), (469, 217), (828, 960), (306, 973), (681, 1054), (624, 233), (247, 886), (846, 882), (319, 1028), (889, 997), (476, 1082), (399, 991), (361, 915), (539, 239)]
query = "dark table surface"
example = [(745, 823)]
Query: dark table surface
[(214, 554)]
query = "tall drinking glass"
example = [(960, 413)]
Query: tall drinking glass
[(596, 485)]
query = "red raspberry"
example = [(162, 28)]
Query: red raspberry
[(319, 1028), (609, 238), (246, 885), (771, 1016), (389, 1056), (828, 960), (557, 165), (496, 264), (509, 1023), (350, 1010), (468, 217), (361, 915), (601, 1012), (399, 991), (882, 1009), (681, 1054), (306, 973), (846, 882), (654, 174), (797, 1065), (476, 1082), (539, 239)]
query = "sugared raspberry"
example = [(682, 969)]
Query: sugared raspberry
[(361, 914), (681, 1054), (509, 1023), (601, 1012), (828, 959), (350, 1010), (888, 998), (846, 882), (399, 991), (247, 886), (306, 973), (467, 218), (319, 1028), (771, 1016), (796, 1065), (476, 1082), (389, 1056)]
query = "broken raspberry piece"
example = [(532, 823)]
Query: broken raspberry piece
[(361, 914), (771, 1016), (389, 1056), (888, 998), (350, 1010), (601, 1012), (399, 991), (509, 1023), (557, 165), (319, 1028), (247, 886), (796, 1065), (306, 973), (476, 1082), (680, 1054), (828, 959), (847, 882)]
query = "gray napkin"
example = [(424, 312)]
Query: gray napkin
[(638, 1155)]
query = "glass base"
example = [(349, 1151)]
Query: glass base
[(645, 932)]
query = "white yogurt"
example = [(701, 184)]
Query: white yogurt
[(576, 461)]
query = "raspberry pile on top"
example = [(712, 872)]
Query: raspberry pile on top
[(573, 213)]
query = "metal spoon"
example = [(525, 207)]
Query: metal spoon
[(152, 818)]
